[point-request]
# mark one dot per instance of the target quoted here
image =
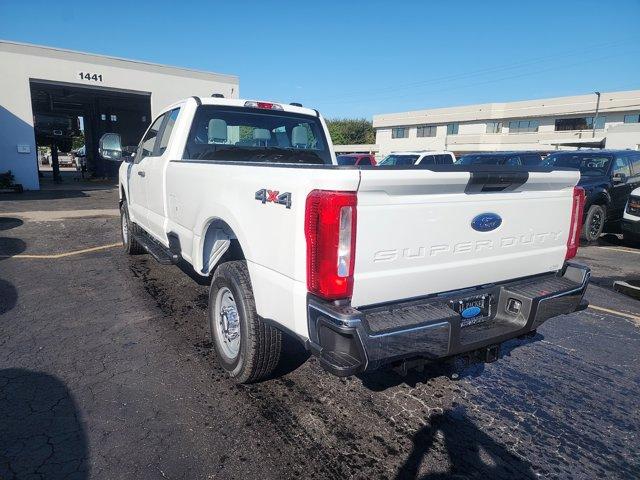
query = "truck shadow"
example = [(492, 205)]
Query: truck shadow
[(457, 368), (41, 434), (9, 246), (293, 356), (470, 451)]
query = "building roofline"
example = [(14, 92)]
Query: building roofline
[(42, 50), (567, 105)]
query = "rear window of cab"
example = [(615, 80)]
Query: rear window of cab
[(254, 135)]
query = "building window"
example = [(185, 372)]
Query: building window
[(599, 122), (427, 130), (400, 132), (452, 129), (494, 127), (578, 123), (523, 126), (634, 118)]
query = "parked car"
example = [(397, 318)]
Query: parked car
[(631, 219), (366, 267), (529, 159), (356, 159), (608, 178), (418, 158)]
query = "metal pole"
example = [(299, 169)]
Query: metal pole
[(55, 163), (595, 118)]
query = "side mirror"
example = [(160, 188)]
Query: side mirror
[(619, 178), (110, 147)]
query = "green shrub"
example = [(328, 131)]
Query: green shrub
[(6, 179)]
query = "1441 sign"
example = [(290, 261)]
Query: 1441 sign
[(95, 77)]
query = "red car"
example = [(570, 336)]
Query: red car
[(357, 159)]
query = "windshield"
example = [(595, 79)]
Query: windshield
[(399, 160), (589, 164), (254, 135), (346, 160)]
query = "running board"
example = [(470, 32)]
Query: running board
[(158, 251)]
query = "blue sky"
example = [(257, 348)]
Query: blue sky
[(358, 58)]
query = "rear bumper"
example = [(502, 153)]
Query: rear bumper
[(350, 341)]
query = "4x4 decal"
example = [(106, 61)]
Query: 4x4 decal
[(264, 195)]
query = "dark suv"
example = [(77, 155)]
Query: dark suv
[(501, 158), (608, 177)]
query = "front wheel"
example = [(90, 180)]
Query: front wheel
[(127, 230), (594, 223), (246, 346)]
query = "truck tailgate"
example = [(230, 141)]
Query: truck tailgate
[(415, 234)]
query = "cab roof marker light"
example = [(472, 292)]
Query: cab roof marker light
[(262, 105)]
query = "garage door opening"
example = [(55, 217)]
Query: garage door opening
[(69, 120)]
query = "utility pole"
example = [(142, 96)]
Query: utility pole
[(595, 118)]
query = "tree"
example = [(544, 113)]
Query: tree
[(78, 141), (351, 131)]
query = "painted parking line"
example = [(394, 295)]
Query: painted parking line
[(630, 316), (620, 249), (63, 255)]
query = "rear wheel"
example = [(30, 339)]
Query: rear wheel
[(245, 345), (127, 230), (594, 223)]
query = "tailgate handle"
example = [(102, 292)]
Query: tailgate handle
[(486, 182)]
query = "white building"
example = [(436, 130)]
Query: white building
[(545, 124), (109, 94)]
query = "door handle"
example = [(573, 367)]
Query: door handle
[(141, 173)]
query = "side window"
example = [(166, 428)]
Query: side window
[(513, 161), (364, 161), (444, 159), (428, 160), (149, 140), (161, 146), (634, 160), (531, 160), (621, 165)]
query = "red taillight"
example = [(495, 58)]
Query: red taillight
[(330, 230), (575, 227)]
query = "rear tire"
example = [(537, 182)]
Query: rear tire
[(594, 223), (127, 230), (246, 346)]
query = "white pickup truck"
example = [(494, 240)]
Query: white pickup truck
[(367, 266)]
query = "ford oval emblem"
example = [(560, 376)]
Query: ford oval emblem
[(485, 222), (470, 312)]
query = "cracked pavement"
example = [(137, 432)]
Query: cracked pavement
[(106, 371)]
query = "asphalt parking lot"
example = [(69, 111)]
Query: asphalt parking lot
[(106, 371)]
